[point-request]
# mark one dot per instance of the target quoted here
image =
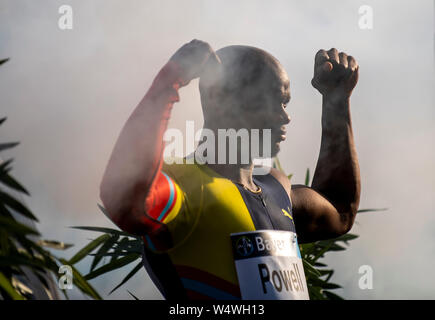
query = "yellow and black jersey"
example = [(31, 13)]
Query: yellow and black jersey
[(192, 211)]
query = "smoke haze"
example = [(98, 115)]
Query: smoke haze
[(67, 94)]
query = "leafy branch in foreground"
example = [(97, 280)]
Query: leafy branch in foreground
[(317, 274), (22, 252), (120, 248)]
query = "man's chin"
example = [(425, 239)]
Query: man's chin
[(275, 149)]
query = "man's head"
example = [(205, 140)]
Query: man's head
[(248, 89)]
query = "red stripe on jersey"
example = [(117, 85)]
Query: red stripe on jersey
[(172, 204), (209, 279), (158, 196)]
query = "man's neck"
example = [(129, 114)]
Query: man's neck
[(239, 173)]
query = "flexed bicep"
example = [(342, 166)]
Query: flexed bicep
[(316, 217)]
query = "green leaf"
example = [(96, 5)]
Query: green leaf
[(16, 205), (131, 246), (306, 249), (88, 248), (130, 274), (3, 61), (125, 247), (66, 294), (116, 264), (4, 146), (307, 177), (371, 210), (327, 243), (347, 237), (120, 250), (310, 269), (277, 164), (135, 298), (323, 284), (6, 212), (321, 252), (42, 277), (319, 264), (316, 293), (113, 255), (81, 282), (14, 259), (103, 209), (106, 230), (331, 272), (4, 164), (5, 243), (48, 260), (14, 227), (103, 250), (8, 180), (8, 288)]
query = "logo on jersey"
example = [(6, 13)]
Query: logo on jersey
[(244, 246), (287, 213)]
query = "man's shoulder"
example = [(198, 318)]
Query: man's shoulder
[(181, 170), (178, 164), (281, 178)]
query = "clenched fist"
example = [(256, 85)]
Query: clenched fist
[(192, 57), (335, 73)]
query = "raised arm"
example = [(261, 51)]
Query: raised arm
[(328, 208), (136, 159)]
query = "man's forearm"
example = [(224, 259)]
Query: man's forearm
[(137, 153), (337, 175)]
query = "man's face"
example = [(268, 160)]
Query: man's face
[(264, 108)]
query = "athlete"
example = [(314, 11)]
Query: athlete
[(186, 212)]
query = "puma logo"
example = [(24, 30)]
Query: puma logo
[(286, 213)]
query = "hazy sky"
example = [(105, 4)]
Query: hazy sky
[(67, 94)]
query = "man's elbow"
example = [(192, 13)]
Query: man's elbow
[(348, 219), (120, 209), (113, 205), (346, 227)]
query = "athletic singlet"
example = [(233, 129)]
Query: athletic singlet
[(192, 212)]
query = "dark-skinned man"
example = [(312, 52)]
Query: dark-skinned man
[(213, 229)]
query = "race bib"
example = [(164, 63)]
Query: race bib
[(269, 265)]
